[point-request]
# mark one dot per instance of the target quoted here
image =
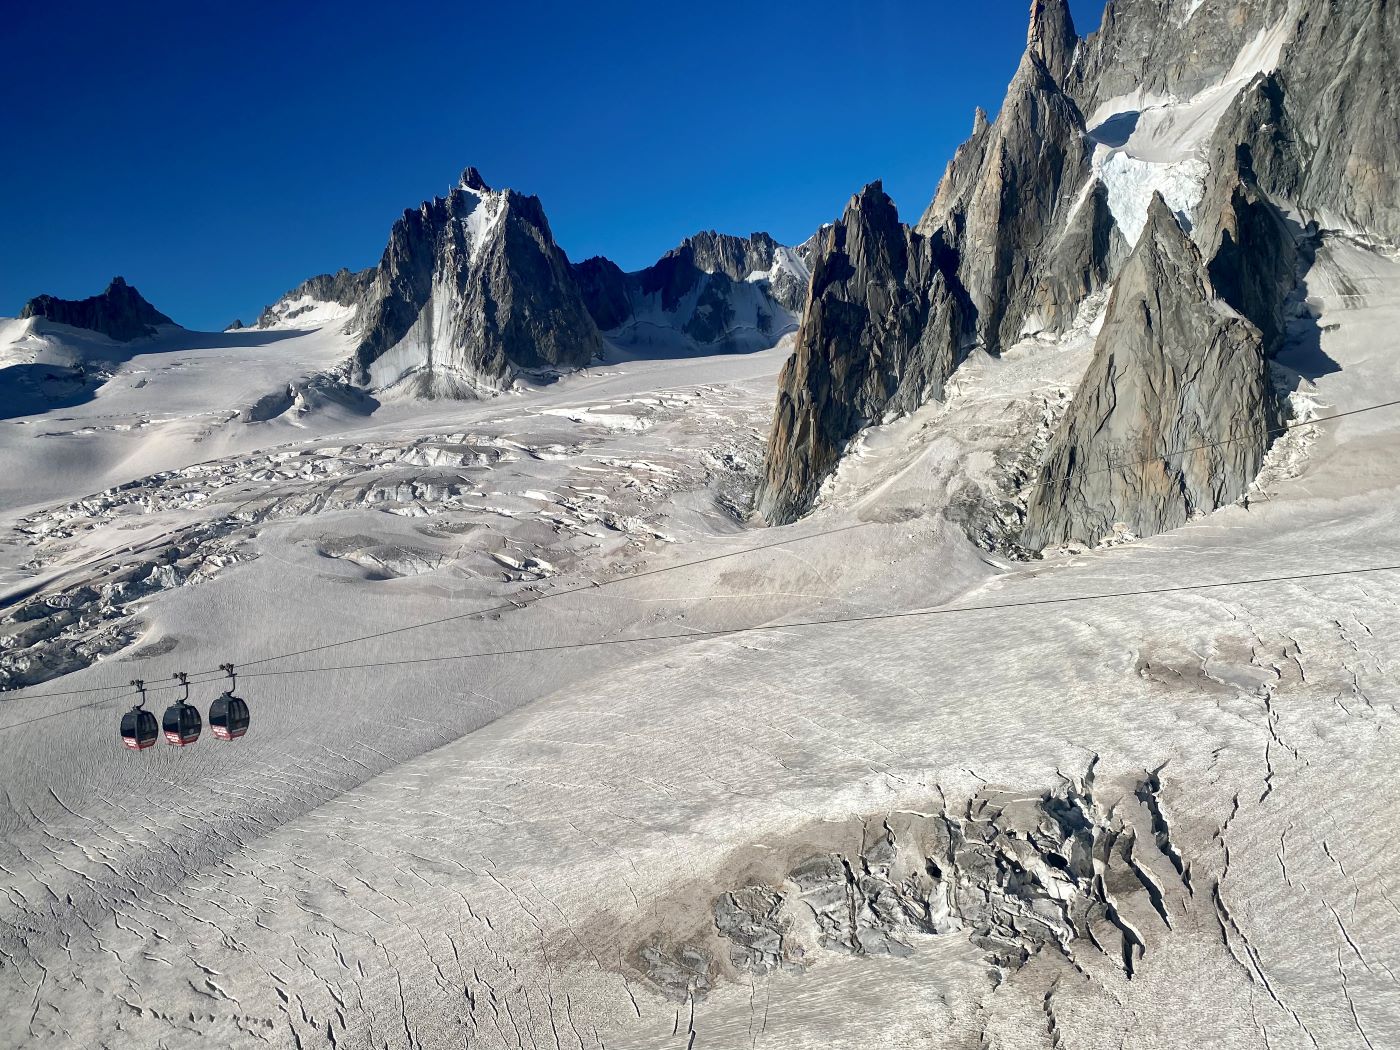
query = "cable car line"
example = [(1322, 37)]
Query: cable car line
[(866, 618), (503, 607), (594, 585), (791, 625), (768, 546), (227, 700)]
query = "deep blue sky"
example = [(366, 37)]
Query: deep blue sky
[(217, 154)]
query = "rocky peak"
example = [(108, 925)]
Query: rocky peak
[(605, 291), (1165, 247), (471, 289), (1002, 202), (881, 333), (710, 252), (472, 180), (1051, 37), (344, 288), (870, 238), (119, 313), (714, 291), (1172, 417), (1031, 236)]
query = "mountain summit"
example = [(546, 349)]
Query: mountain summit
[(1249, 124), (119, 313), (471, 290)]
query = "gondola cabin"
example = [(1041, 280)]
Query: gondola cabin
[(228, 717), (139, 729), (182, 724)]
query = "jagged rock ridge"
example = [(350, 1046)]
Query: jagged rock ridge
[(1029, 218), (344, 288), (879, 337), (1172, 417), (471, 290), (119, 313), (716, 290), (999, 202), (999, 206)]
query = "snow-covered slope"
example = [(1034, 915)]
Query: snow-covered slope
[(552, 748), (319, 301), (1145, 145), (81, 411), (628, 844)]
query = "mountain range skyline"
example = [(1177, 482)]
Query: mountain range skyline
[(235, 159)]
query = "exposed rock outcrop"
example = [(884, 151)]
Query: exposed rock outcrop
[(1000, 202), (1078, 262), (1152, 49), (606, 290), (471, 290), (308, 300), (1338, 77), (1253, 253), (119, 313), (881, 334), (714, 291), (972, 273), (1173, 415), (1037, 214)]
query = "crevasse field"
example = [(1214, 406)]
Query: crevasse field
[(553, 747), (734, 840)]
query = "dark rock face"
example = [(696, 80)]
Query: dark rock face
[(1339, 77), (1078, 262), (1253, 253), (1051, 37), (1153, 47), (1027, 237), (900, 307), (345, 287), (605, 290), (1173, 369), (471, 289), (716, 290), (119, 313), (1000, 201), (880, 336)]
